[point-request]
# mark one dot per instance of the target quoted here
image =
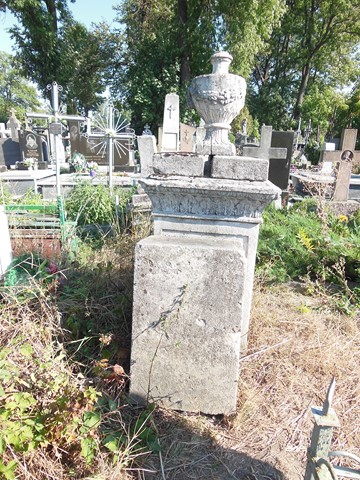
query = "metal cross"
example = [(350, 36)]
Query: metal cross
[(111, 129), (54, 119)]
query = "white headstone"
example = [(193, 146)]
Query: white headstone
[(5, 245), (171, 125)]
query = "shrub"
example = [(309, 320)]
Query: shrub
[(95, 205)]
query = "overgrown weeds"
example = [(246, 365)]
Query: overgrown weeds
[(298, 243)]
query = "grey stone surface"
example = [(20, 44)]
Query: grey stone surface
[(186, 338), (191, 165), (147, 150), (240, 168), (209, 196)]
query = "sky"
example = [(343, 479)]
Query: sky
[(84, 11)]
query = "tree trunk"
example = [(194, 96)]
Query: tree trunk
[(185, 73), (302, 89)]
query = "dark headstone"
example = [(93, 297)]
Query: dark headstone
[(91, 148), (33, 145), (279, 168), (9, 152)]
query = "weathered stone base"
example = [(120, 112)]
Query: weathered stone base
[(187, 327)]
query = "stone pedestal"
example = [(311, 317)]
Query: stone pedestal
[(193, 280)]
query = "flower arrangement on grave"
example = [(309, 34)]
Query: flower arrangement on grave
[(78, 162), (31, 163), (91, 167)]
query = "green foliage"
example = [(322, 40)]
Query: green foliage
[(52, 46), (165, 44), (310, 56), (295, 243), (15, 90), (95, 205)]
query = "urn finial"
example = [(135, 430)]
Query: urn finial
[(218, 98)]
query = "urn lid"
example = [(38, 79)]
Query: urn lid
[(221, 62)]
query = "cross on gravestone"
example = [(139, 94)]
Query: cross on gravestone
[(186, 137), (343, 159), (170, 132), (170, 109), (264, 150), (13, 125)]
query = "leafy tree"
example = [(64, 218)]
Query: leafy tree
[(51, 45), (15, 91), (168, 42), (310, 53)]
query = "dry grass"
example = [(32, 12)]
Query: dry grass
[(269, 435), (296, 345)]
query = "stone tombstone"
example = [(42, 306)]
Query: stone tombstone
[(265, 150), (170, 129), (279, 168), (5, 244), (342, 161), (187, 138), (33, 145), (193, 277), (9, 153), (147, 150), (90, 148), (14, 125)]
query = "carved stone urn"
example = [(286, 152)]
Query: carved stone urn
[(218, 98)]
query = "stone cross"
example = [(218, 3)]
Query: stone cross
[(264, 150), (342, 160), (170, 132), (13, 124)]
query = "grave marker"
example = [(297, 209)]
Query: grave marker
[(170, 129), (342, 160), (265, 150), (186, 138), (13, 125)]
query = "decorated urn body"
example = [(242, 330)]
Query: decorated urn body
[(218, 98)]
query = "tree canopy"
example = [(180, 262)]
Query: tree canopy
[(297, 56), (15, 91)]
